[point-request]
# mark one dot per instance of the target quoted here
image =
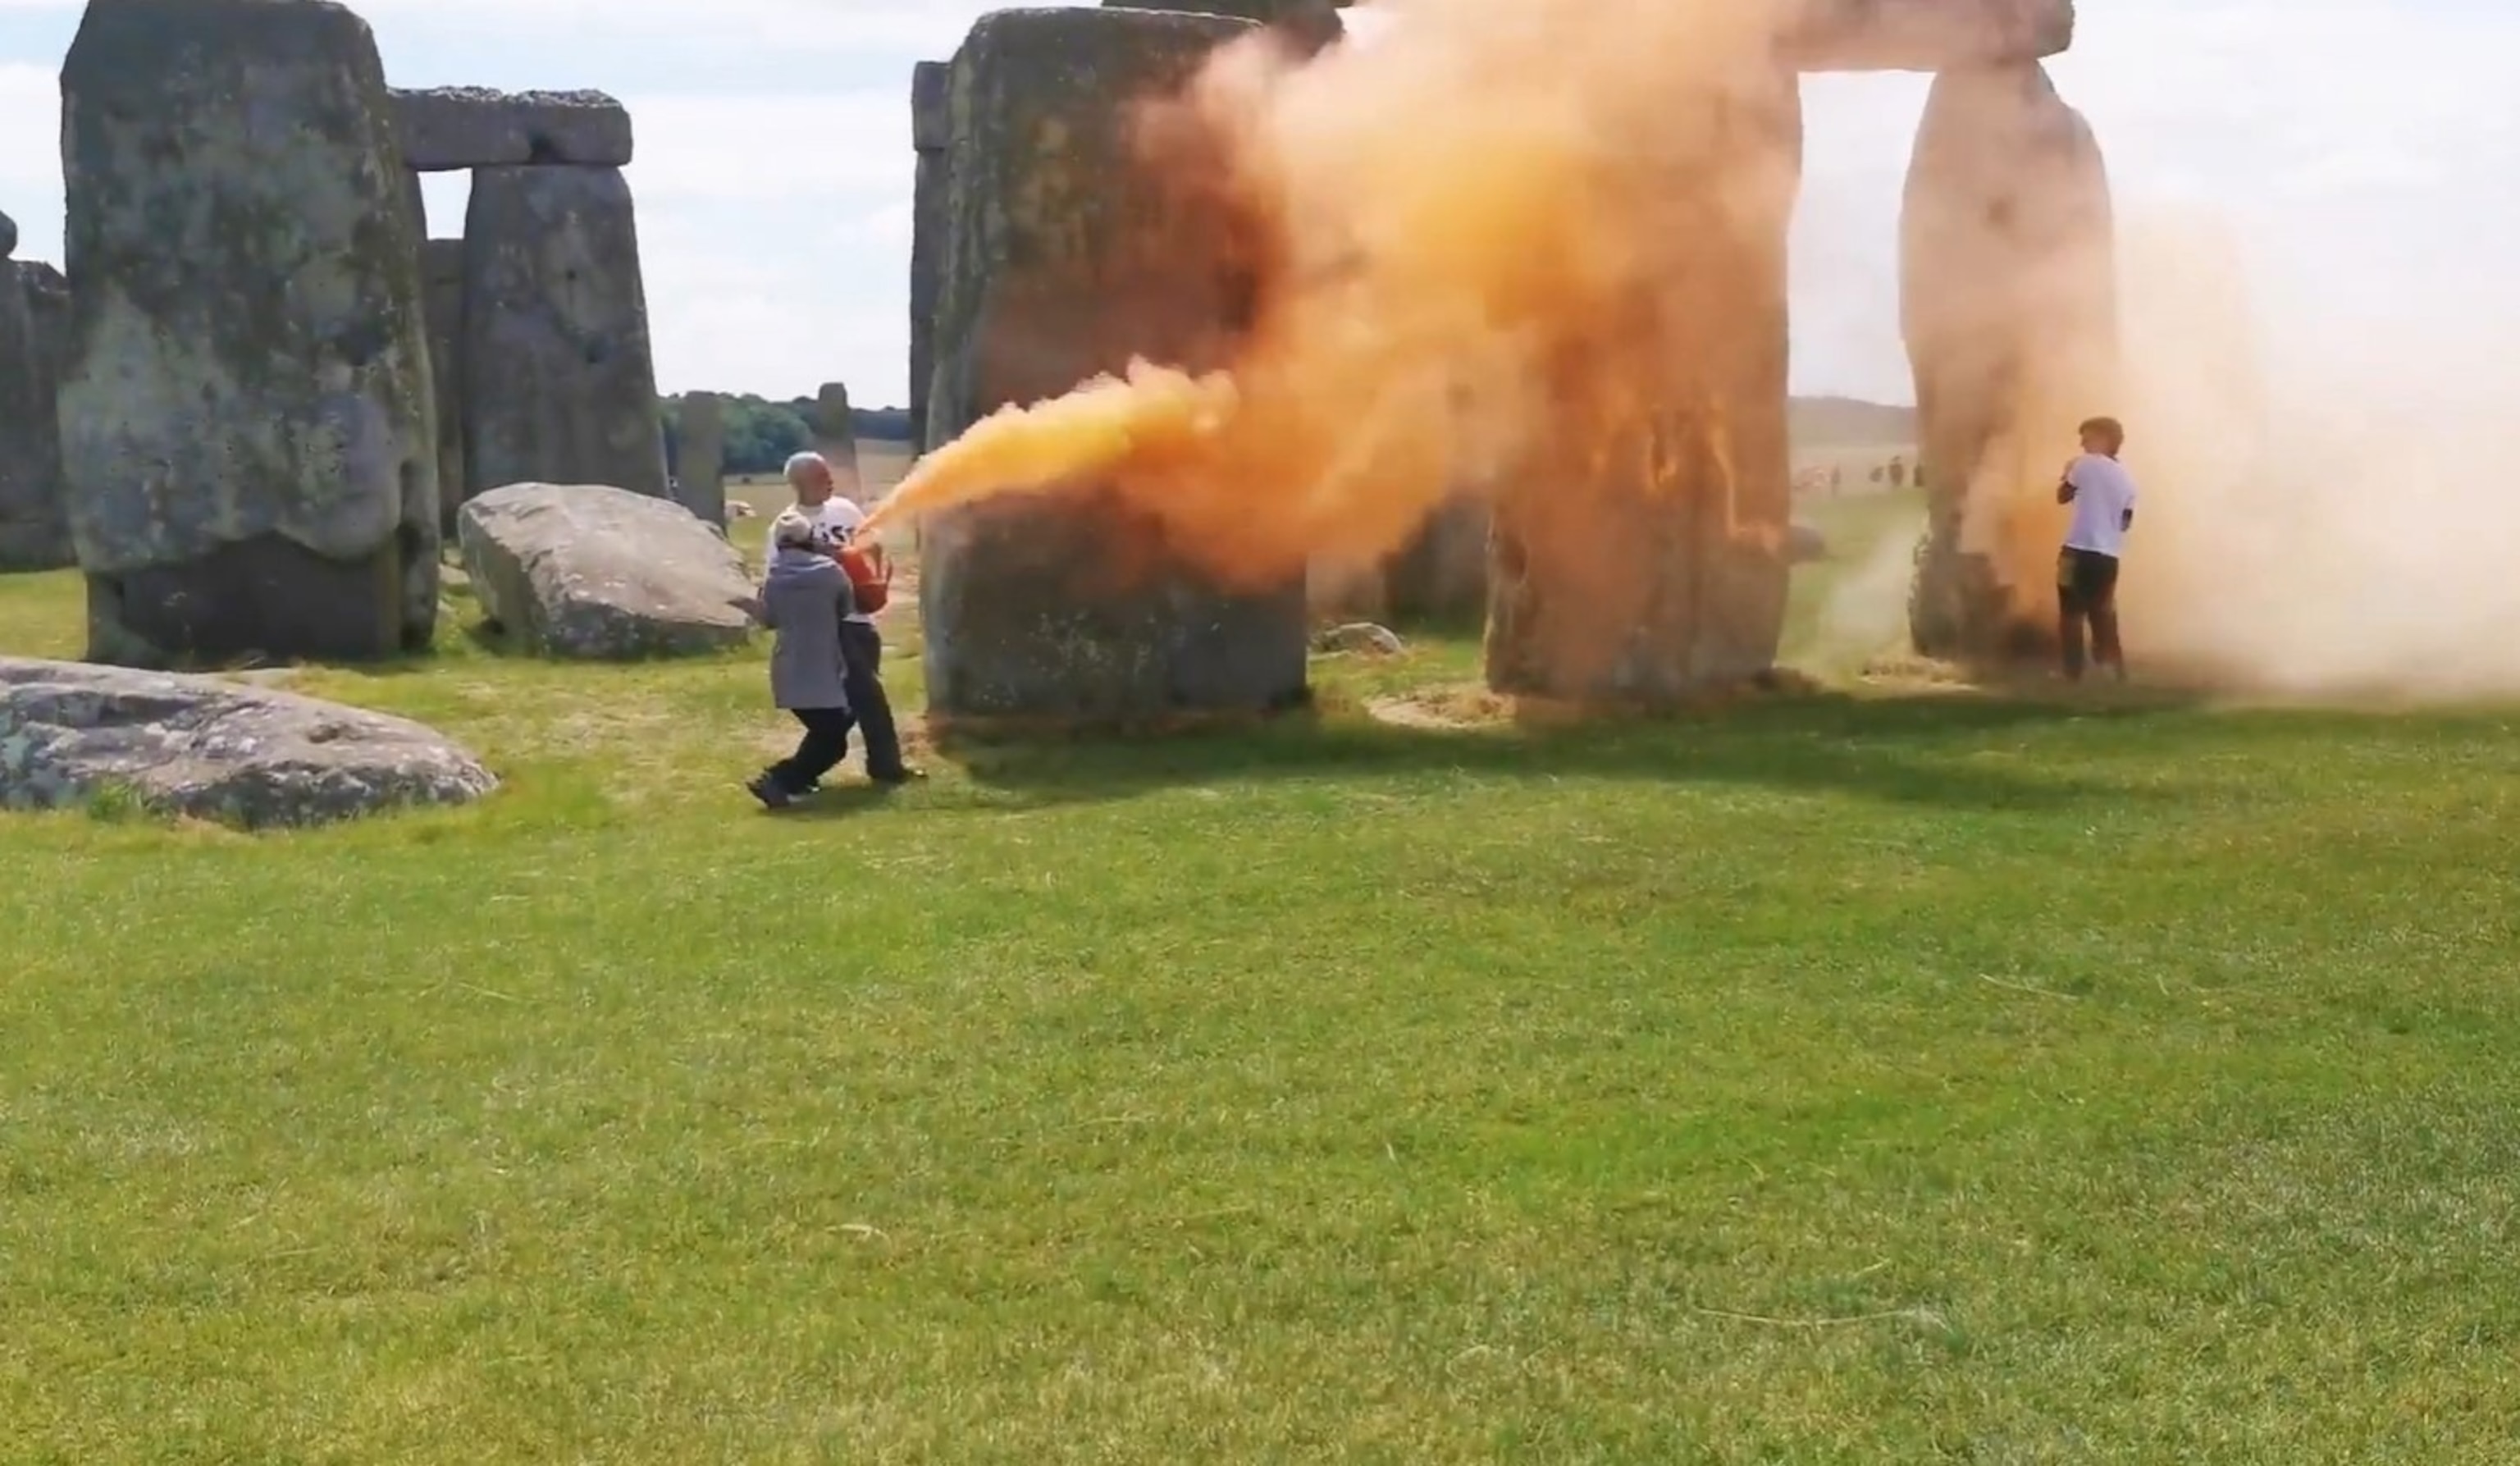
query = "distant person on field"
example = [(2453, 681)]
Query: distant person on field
[(2102, 493), (803, 595), (836, 518)]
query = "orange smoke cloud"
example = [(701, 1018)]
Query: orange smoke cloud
[(1475, 232)]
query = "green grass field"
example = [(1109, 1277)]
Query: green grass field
[(1851, 1078)]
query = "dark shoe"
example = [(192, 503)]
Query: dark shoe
[(768, 790)]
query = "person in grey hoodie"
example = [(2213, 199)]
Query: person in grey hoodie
[(805, 594)]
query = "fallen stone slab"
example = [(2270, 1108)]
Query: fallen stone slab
[(1363, 638), (449, 129), (206, 747), (586, 571)]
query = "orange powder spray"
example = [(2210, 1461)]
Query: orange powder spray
[(1468, 222)]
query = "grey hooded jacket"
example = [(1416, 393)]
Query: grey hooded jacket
[(803, 597)]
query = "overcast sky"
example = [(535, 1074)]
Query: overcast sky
[(2368, 151)]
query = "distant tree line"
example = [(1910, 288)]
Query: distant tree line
[(760, 434)]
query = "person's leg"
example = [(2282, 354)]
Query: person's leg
[(822, 743), (825, 744), (2069, 615), (863, 645), (2101, 597)]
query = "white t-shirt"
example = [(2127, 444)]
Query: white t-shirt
[(2103, 496), (839, 519)]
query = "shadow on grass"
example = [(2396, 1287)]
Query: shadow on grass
[(1916, 751)]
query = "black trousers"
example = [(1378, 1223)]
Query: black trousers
[(863, 645), (2087, 591), (824, 744)]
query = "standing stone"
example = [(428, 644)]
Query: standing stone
[(248, 431), (835, 432), (1441, 574), (2009, 306), (1065, 260), (442, 276), (48, 310), (34, 523), (559, 383), (931, 133), (7, 236), (699, 459), (1643, 555)]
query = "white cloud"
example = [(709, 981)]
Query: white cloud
[(2360, 146)]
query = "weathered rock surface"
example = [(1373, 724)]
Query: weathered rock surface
[(243, 479), (1066, 261), (931, 133), (1805, 545), (836, 431), (1926, 35), (1643, 557), (1312, 24), (1442, 574), (2008, 304), (441, 278), (559, 380), (211, 748), (591, 573), (7, 236), (34, 519), (48, 309), (1359, 638), (451, 128), (700, 457)]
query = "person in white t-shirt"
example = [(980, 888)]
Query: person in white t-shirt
[(2102, 494), (836, 518)]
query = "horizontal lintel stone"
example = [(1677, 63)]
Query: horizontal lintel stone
[(453, 128), (1926, 35)]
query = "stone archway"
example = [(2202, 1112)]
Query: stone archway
[(1643, 568)]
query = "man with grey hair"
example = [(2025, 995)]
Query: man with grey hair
[(837, 517)]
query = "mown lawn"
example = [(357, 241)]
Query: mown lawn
[(1838, 1078)]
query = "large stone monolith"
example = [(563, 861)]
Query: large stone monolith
[(1442, 573), (1641, 554), (1065, 260), (560, 382), (2010, 309), (835, 430), (34, 523), (246, 426), (441, 282), (700, 456), (931, 134)]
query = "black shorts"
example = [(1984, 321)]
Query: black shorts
[(2086, 580)]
